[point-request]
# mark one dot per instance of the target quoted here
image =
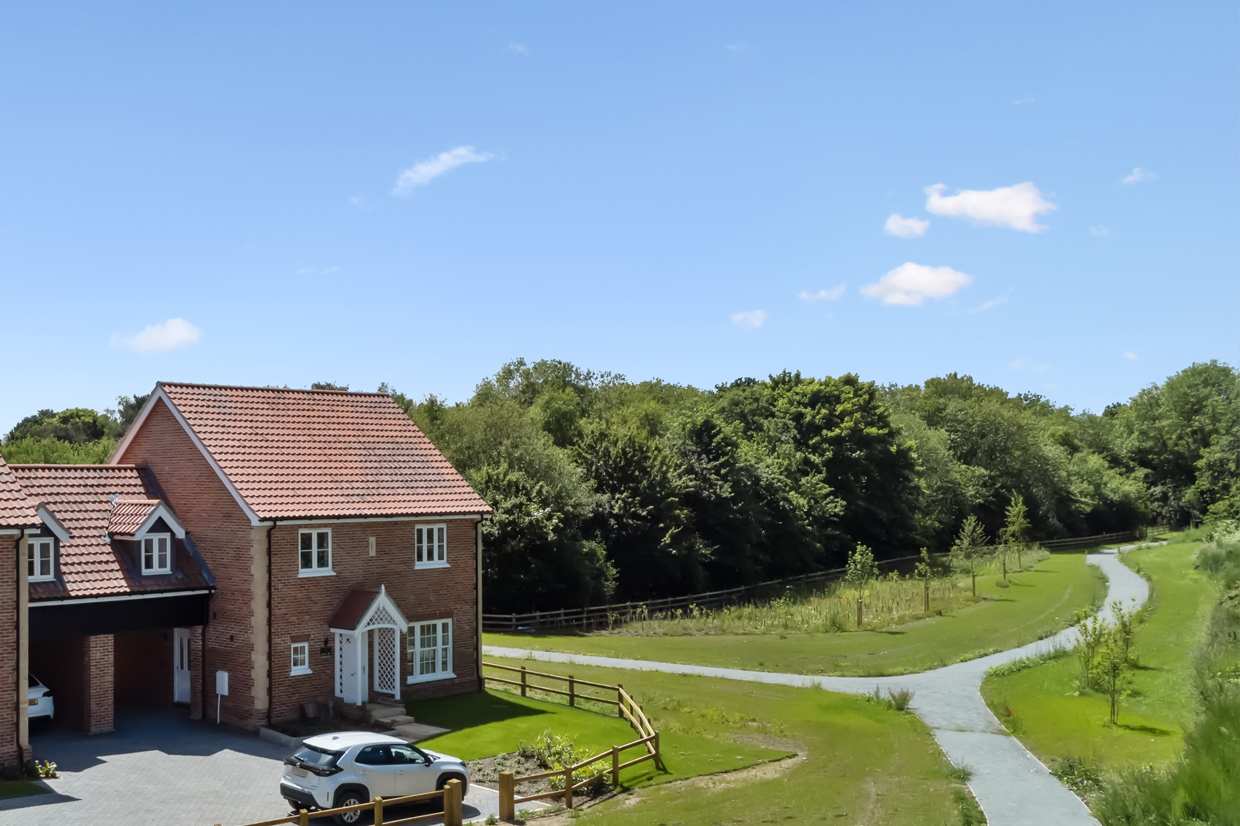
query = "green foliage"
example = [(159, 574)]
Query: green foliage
[(1104, 651), (1081, 776), (77, 435), (31, 451), (861, 570)]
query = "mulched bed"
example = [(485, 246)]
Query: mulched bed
[(485, 772)]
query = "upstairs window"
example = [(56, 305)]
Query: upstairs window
[(157, 553), (430, 546), (40, 559), (314, 556)]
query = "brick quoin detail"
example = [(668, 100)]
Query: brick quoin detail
[(97, 669), (304, 605), (9, 689)]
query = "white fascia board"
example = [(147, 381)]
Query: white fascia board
[(159, 394), (161, 511), (12, 531), (118, 597), (326, 520), (53, 524)]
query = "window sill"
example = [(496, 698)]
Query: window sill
[(418, 566), (40, 579), (430, 678), (300, 672), (310, 574), (156, 573)]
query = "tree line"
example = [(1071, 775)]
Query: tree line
[(611, 489)]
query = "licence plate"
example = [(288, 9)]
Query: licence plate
[(33, 702), (301, 772)]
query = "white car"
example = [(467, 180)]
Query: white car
[(39, 700), (332, 770)]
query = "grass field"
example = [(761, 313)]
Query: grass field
[(1053, 719), (857, 762), (1037, 603), (484, 725)]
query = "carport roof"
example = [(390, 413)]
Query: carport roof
[(92, 562)]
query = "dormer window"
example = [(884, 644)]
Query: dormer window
[(40, 566), (157, 553)]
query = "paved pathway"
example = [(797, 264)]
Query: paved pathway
[(1011, 785), (159, 767)]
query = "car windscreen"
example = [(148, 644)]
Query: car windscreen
[(319, 758)]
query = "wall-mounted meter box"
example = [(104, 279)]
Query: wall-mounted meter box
[(221, 683)]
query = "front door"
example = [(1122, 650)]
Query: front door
[(363, 656), (180, 665)]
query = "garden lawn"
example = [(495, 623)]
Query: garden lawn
[(857, 761), (1053, 720), (1037, 603), (495, 722), (19, 788)]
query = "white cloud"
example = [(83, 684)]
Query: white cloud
[(749, 319), (1138, 176), (833, 294), (423, 172), (159, 338), (1016, 207), (518, 48), (910, 284), (992, 303), (1099, 231), (1131, 356), (902, 227)]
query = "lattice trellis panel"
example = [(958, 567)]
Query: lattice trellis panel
[(381, 617), (387, 668)]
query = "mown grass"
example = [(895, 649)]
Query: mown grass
[(1034, 604), (857, 761), (19, 788), (495, 722), (1055, 719)]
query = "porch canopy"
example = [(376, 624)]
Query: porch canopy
[(367, 619)]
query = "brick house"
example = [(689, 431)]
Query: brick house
[(345, 550), (281, 546)]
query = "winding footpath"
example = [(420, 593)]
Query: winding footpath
[(1011, 785)]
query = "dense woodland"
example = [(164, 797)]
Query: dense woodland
[(605, 488)]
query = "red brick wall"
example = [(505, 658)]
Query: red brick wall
[(222, 533), (10, 693), (302, 606), (97, 665)]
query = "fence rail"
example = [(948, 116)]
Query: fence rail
[(452, 812), (601, 616), (626, 707)]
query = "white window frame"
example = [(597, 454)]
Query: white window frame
[(154, 538), (442, 652), (296, 670), (434, 554), (35, 558), (315, 569)]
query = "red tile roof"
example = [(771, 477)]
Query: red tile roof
[(353, 607), (129, 514), (81, 497), (322, 453), (16, 509)]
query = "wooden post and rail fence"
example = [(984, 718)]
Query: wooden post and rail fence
[(605, 616), (606, 762), (452, 812)]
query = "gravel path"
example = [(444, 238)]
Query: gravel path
[(1011, 785)]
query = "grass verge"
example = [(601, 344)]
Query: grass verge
[(1056, 721), (1034, 604), (856, 761), (19, 788)]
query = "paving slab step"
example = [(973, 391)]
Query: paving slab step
[(413, 732), (375, 712)]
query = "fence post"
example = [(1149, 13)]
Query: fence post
[(452, 810), (568, 788), (522, 681), (507, 808), (927, 587), (620, 701), (615, 767), (303, 818), (378, 811), (858, 613), (572, 692)]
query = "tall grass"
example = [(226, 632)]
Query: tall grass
[(1204, 785), (889, 601)]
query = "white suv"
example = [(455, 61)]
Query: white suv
[(353, 767), (39, 700)]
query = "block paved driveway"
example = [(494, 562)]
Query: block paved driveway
[(159, 767)]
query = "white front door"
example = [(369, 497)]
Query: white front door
[(180, 665)]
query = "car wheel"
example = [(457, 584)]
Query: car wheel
[(349, 798), (443, 781)]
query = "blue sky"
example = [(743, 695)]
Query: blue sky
[(417, 193)]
